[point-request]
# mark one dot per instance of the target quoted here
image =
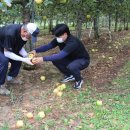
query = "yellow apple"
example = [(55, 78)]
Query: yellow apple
[(44, 17), (61, 87), (99, 102), (59, 94), (41, 114), (56, 90), (38, 1), (110, 58), (19, 124), (30, 55), (42, 78), (29, 115), (88, 16), (93, 50)]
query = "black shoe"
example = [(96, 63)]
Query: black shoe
[(78, 84), (68, 78)]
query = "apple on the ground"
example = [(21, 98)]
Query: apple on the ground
[(41, 114), (61, 87), (56, 90), (59, 94), (29, 115), (99, 102), (19, 124), (42, 78)]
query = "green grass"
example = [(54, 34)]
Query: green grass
[(78, 110)]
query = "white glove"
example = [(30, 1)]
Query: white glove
[(28, 61)]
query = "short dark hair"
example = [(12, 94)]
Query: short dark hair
[(60, 29)]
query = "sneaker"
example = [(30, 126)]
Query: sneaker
[(78, 84), (68, 78), (13, 80), (4, 91)]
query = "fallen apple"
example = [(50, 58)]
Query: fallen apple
[(110, 58), (41, 114), (61, 87), (19, 124), (56, 90), (29, 115), (93, 50), (59, 94), (42, 78), (99, 102)]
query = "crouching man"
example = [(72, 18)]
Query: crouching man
[(12, 40), (72, 58)]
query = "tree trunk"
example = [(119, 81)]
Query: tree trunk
[(96, 28), (116, 21), (44, 26), (50, 25), (109, 16), (79, 29), (26, 12), (127, 25)]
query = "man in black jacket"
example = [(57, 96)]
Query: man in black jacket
[(12, 40), (72, 58)]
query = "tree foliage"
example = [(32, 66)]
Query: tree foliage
[(77, 12)]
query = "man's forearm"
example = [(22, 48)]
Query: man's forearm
[(13, 56), (44, 48), (23, 52)]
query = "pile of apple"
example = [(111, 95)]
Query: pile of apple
[(58, 91), (29, 115)]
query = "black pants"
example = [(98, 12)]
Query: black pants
[(72, 67), (14, 70)]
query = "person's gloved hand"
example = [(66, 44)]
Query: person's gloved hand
[(28, 61)]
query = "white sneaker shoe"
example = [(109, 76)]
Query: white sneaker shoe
[(68, 78), (4, 91), (78, 84)]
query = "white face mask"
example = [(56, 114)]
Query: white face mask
[(59, 40), (24, 39)]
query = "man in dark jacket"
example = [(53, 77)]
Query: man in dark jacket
[(72, 58), (12, 40)]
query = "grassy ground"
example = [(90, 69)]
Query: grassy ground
[(81, 111), (95, 107)]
